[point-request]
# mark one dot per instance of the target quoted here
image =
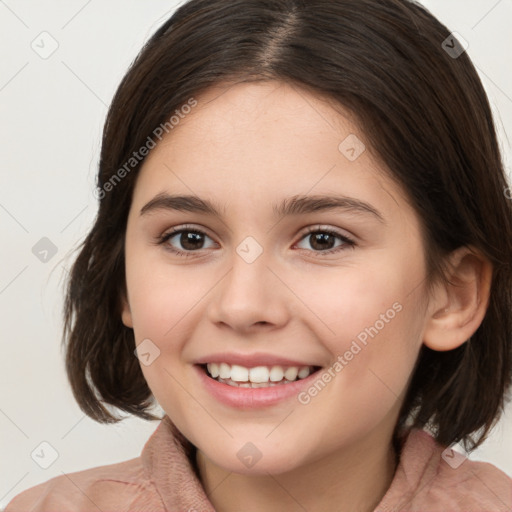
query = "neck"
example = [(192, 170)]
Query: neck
[(354, 479)]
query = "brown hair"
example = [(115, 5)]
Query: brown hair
[(424, 113)]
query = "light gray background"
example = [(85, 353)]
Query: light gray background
[(51, 117)]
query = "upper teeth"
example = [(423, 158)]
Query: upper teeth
[(258, 374)]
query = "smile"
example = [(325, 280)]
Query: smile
[(258, 376), (253, 387)]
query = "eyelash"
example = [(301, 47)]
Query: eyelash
[(347, 242)]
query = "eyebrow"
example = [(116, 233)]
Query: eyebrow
[(295, 205)]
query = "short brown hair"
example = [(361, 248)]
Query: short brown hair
[(425, 115)]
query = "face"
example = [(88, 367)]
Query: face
[(293, 253)]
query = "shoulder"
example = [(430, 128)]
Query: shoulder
[(435, 478), (107, 488), (473, 485)]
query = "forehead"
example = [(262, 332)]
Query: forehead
[(270, 140), (272, 118)]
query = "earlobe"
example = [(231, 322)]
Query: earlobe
[(458, 306), (126, 314)]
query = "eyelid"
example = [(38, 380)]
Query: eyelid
[(327, 229)]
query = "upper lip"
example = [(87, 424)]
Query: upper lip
[(251, 360)]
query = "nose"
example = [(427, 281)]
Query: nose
[(250, 297)]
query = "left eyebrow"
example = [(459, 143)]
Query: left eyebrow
[(295, 205)]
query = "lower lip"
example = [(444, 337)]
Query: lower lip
[(252, 398)]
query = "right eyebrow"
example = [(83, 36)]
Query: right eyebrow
[(183, 203)]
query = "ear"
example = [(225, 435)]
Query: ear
[(126, 313), (457, 307)]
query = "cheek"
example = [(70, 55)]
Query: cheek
[(372, 325), (166, 306), (162, 297), (375, 346), (348, 303)]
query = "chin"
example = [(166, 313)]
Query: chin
[(250, 459)]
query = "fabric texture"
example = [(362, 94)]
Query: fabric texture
[(165, 478)]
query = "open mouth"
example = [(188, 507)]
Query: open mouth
[(258, 376)]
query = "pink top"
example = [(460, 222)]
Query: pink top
[(163, 479)]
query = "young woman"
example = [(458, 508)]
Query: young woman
[(303, 253)]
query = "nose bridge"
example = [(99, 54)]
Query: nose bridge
[(249, 293)]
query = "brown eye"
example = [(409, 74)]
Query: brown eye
[(321, 241), (190, 240), (324, 241), (183, 241)]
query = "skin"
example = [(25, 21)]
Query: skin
[(245, 148)]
